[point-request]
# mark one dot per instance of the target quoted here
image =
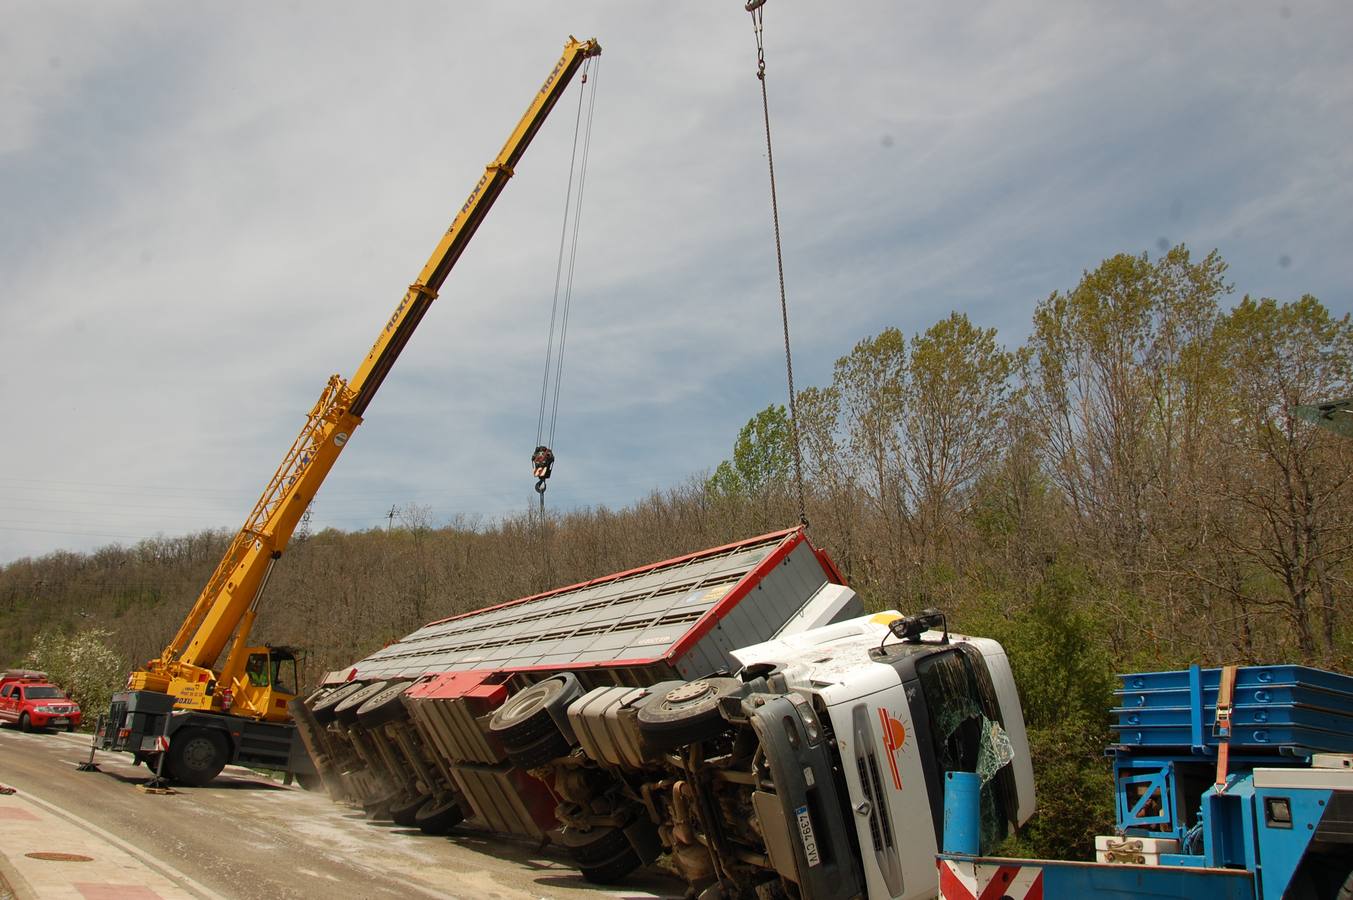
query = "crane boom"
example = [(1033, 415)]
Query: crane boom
[(226, 607)]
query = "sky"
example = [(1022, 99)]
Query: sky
[(208, 209)]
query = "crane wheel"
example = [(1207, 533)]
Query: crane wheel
[(323, 708), (527, 717), (688, 713), (197, 755), (384, 707)]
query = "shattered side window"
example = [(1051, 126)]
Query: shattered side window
[(964, 738)]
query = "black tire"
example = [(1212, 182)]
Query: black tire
[(404, 812), (1345, 892), (526, 717), (346, 710), (589, 848), (438, 816), (687, 713), (323, 710), (25, 723), (549, 746), (384, 707), (606, 857), (196, 756), (309, 781), (70, 728)]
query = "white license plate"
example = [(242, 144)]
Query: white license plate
[(807, 836), (57, 721)]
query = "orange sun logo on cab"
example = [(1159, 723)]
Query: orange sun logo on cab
[(894, 737)]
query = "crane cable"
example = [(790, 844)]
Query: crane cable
[(542, 459), (755, 7)]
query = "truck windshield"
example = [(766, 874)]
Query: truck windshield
[(44, 693), (966, 734)]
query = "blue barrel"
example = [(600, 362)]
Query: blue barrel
[(962, 812)]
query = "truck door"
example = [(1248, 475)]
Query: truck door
[(8, 705)]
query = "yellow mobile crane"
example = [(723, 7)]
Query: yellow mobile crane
[(179, 708)]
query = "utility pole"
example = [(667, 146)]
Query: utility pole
[(390, 517)]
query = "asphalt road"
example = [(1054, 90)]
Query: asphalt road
[(249, 838)]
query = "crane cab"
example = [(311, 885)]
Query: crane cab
[(265, 686)]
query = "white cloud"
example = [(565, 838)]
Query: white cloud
[(208, 212)]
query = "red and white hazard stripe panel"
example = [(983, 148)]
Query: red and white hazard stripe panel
[(973, 881)]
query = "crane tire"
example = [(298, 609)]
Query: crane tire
[(687, 713), (384, 707), (438, 816), (404, 813), (527, 716), (323, 710), (346, 710), (197, 755)]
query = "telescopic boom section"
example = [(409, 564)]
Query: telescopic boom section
[(225, 609)]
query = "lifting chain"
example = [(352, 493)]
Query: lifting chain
[(756, 8)]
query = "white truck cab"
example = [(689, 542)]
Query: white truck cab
[(900, 714)]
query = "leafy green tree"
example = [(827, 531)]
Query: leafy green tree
[(1283, 488), (83, 665), (1119, 372), (763, 458), (957, 390)]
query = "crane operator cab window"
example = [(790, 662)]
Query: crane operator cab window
[(275, 668), (258, 670)]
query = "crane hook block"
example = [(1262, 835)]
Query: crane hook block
[(542, 466), (753, 4)]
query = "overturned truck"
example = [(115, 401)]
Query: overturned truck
[(733, 710)]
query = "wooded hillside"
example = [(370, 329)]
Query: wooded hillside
[(1128, 490)]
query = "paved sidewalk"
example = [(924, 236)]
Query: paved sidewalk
[(46, 854)]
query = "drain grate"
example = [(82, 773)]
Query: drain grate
[(52, 856)]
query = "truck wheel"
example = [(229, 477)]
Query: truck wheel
[(404, 812), (686, 714), (25, 723), (384, 707), (310, 781), (323, 710), (346, 711), (606, 858), (551, 745), (525, 718), (196, 756), (438, 816)]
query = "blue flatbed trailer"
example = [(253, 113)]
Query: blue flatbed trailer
[(1256, 803)]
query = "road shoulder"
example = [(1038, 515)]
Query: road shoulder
[(47, 853)]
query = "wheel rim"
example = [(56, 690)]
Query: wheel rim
[(199, 753), (689, 693)]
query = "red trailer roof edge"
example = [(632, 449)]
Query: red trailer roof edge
[(715, 613), (627, 573)]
